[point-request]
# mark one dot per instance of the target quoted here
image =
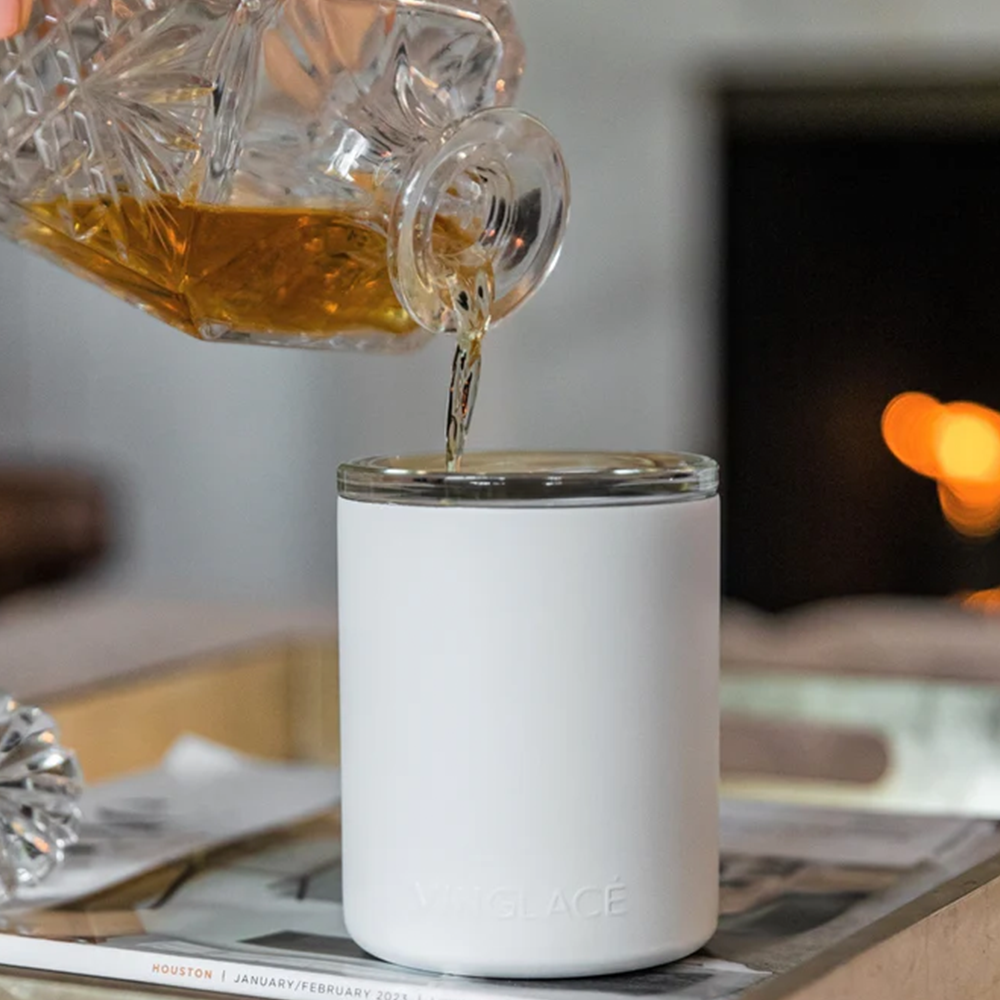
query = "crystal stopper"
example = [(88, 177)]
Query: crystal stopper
[(40, 786)]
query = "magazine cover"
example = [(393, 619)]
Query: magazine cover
[(263, 917)]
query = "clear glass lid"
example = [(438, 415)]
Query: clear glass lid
[(532, 479)]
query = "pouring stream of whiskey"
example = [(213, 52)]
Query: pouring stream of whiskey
[(465, 369), (472, 297)]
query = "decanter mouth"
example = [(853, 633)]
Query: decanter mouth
[(478, 223)]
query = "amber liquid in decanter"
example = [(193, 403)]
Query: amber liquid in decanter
[(286, 270)]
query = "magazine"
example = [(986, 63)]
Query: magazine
[(264, 917), (201, 795)]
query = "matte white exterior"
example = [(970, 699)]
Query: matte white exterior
[(529, 715)]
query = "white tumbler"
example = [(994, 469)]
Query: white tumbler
[(529, 710)]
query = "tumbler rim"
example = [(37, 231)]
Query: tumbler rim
[(531, 479)]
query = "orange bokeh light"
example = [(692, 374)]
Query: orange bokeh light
[(957, 444), (908, 428), (986, 602)]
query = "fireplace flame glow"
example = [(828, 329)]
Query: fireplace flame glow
[(986, 602), (956, 444)]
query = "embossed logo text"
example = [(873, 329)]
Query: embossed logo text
[(586, 902)]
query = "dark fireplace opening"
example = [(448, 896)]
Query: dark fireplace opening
[(860, 260)]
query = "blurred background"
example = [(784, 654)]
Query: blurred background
[(782, 252)]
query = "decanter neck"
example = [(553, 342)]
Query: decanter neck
[(477, 221)]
